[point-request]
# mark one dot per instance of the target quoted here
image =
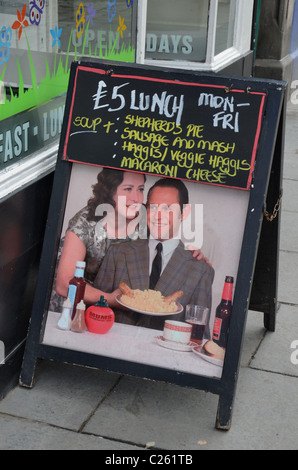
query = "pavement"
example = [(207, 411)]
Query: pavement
[(77, 408)]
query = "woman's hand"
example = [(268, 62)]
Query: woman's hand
[(198, 254)]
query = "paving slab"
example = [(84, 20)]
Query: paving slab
[(253, 336), (287, 289), (63, 395), (265, 415), (275, 351), (289, 231), (290, 195), (143, 411), (21, 434)]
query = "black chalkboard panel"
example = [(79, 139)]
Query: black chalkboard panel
[(180, 128)]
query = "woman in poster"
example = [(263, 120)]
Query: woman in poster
[(89, 234)]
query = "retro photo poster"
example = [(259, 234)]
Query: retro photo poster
[(151, 158), (210, 225)]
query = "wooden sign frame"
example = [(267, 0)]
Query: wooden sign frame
[(256, 285)]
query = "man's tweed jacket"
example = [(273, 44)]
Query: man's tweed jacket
[(129, 262)]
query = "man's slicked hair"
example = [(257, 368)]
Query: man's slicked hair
[(172, 183)]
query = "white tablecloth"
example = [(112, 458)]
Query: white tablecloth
[(130, 343)]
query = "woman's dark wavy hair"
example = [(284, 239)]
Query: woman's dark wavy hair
[(108, 181)]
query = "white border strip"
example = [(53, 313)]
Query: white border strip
[(28, 170)]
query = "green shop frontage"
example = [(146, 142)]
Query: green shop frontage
[(39, 40)]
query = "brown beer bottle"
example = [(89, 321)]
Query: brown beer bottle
[(223, 314)]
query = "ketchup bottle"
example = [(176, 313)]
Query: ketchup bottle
[(77, 285), (223, 314)]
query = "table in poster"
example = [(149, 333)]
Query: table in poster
[(131, 343)]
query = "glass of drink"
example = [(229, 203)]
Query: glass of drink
[(197, 316)]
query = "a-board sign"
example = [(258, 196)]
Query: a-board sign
[(151, 160)]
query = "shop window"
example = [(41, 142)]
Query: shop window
[(225, 25), (177, 33), (40, 38), (38, 42), (194, 34), (111, 31)]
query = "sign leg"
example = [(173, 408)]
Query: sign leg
[(27, 374), (224, 413)]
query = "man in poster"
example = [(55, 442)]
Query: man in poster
[(131, 262)]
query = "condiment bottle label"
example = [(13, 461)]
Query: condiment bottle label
[(227, 291), (217, 328), (72, 290)]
